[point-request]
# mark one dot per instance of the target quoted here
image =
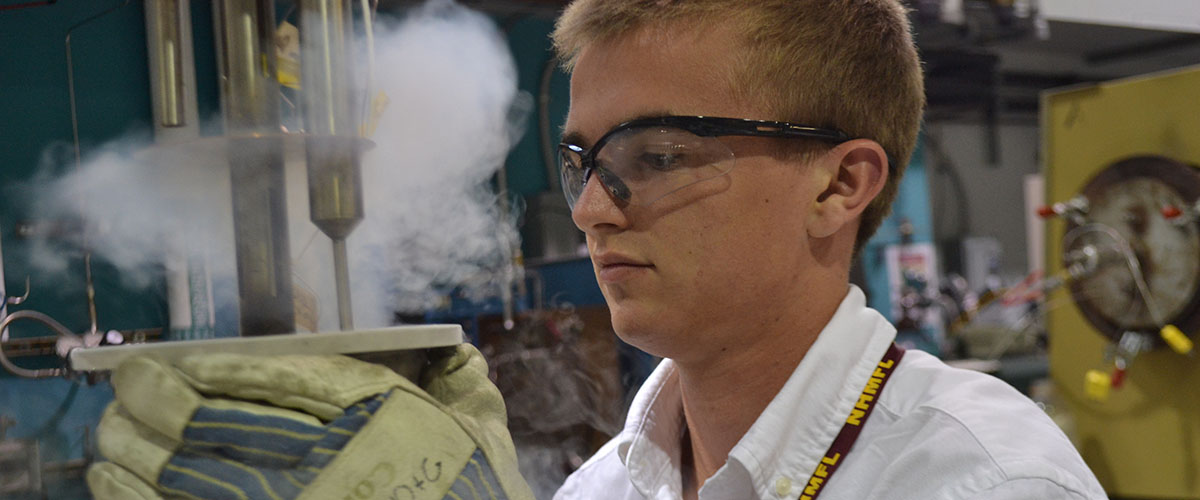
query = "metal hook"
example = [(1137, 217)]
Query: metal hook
[(18, 300)]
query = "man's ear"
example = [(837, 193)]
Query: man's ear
[(856, 172)]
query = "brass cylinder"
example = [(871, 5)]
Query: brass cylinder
[(330, 116), (172, 69)]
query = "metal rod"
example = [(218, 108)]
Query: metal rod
[(4, 300), (47, 345), (83, 202), (506, 286), (91, 290), (549, 158), (71, 76), (369, 85), (341, 274)]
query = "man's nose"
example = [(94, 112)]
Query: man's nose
[(596, 210)]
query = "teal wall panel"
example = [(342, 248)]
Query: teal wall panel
[(529, 39), (112, 95)]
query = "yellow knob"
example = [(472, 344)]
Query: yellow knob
[(1175, 338), (1096, 385)]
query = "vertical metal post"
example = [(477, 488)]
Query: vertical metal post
[(250, 100)]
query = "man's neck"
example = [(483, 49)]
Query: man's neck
[(723, 396)]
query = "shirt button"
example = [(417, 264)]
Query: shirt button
[(783, 486)]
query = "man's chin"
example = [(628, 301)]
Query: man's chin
[(648, 332)]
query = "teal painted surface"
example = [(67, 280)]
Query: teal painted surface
[(528, 175), (112, 94), (529, 39), (912, 204)]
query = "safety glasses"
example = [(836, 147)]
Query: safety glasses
[(641, 161)]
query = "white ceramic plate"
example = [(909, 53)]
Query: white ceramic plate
[(397, 338)]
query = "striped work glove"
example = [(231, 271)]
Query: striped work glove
[(228, 426)]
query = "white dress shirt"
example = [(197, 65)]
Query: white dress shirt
[(936, 433)]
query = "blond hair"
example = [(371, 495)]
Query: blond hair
[(844, 64)]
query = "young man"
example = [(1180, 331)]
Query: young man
[(724, 245)]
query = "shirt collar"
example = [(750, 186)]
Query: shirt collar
[(649, 444), (787, 440)]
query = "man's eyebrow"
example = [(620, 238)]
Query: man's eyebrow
[(573, 138), (576, 138)]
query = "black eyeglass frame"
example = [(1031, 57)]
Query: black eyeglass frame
[(703, 126)]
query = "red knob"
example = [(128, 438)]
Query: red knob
[(1046, 211), (1171, 211), (1118, 377)]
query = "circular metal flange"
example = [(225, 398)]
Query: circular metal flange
[(1128, 197)]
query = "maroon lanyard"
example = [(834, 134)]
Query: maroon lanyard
[(854, 423)]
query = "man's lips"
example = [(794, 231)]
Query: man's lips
[(615, 267), (615, 259)]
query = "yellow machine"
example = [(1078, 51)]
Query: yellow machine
[(1120, 160)]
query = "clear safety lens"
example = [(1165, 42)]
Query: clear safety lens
[(570, 168), (641, 165)]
